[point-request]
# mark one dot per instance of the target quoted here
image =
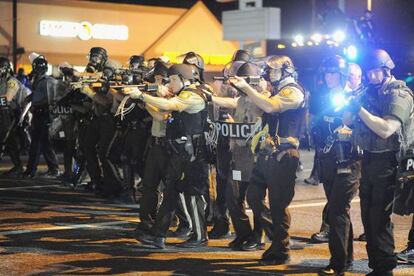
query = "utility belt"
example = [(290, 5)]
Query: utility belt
[(159, 141), (188, 146), (367, 155), (278, 151)]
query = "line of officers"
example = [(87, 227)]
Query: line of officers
[(168, 137)]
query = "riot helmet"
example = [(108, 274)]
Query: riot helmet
[(97, 57), (160, 72), (5, 68), (248, 69), (331, 65), (241, 55), (135, 62), (379, 58), (184, 71), (278, 68), (197, 62), (39, 65)]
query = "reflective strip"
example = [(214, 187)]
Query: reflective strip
[(196, 218), (187, 215)]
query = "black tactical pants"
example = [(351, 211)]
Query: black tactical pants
[(340, 189), (100, 134), (192, 179), (11, 144), (277, 173), (41, 143), (221, 218), (155, 170), (376, 193)]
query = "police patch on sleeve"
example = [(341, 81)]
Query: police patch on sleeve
[(185, 95), (11, 84), (286, 92)]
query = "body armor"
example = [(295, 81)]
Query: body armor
[(288, 123), (377, 104)]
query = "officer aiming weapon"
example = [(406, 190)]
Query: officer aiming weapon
[(340, 100), (253, 80)]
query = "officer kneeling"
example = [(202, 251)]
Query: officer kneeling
[(187, 169)]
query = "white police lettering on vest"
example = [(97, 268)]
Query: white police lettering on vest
[(236, 130), (3, 101), (410, 165), (62, 110)]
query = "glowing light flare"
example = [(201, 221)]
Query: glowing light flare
[(339, 101), (339, 36), (351, 52), (317, 38), (299, 39)]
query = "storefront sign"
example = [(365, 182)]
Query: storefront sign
[(84, 30), (208, 59)]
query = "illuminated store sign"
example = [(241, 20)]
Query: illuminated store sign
[(84, 30), (175, 57)]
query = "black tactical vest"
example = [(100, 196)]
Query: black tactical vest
[(185, 124), (376, 104), (288, 123)]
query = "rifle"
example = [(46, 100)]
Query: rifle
[(127, 88), (253, 80)]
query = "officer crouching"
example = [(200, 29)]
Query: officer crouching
[(187, 169)]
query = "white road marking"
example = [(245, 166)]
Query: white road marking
[(100, 225), (28, 187)]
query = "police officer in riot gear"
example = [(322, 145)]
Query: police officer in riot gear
[(100, 133), (278, 155), (97, 57), (380, 113), (242, 162), (223, 155), (133, 127), (12, 94), (187, 169), (339, 169), (43, 88)]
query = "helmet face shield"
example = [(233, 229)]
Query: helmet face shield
[(95, 59), (39, 65), (275, 75)]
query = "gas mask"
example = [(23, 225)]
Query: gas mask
[(95, 63)]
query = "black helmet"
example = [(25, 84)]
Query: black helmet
[(184, 71), (98, 51), (241, 55), (378, 58), (194, 59), (5, 67), (248, 69), (39, 65), (135, 61), (334, 64), (97, 57), (160, 68), (230, 69)]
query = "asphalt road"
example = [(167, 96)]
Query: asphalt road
[(49, 229)]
